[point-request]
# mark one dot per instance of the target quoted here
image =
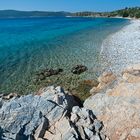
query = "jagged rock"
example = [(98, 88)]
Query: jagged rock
[(98, 125), (21, 117), (119, 108), (76, 109), (86, 124), (25, 112), (74, 129), (58, 95), (78, 69), (74, 118), (41, 129), (62, 130), (88, 132)]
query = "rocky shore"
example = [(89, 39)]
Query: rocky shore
[(51, 114), (110, 113)]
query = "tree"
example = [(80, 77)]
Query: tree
[(125, 14), (137, 15)]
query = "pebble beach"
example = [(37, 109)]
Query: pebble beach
[(122, 49)]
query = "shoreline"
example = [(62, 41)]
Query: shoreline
[(106, 17), (121, 49)]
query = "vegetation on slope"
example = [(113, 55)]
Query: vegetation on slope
[(127, 12)]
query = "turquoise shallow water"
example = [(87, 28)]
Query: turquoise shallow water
[(29, 45)]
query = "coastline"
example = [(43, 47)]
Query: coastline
[(121, 49), (56, 113), (70, 46)]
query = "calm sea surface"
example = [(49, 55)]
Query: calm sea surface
[(30, 45)]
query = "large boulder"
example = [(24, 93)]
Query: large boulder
[(118, 107), (119, 114)]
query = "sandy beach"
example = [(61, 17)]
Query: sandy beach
[(122, 48)]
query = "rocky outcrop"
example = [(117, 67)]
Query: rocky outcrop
[(29, 116), (118, 105), (113, 113), (49, 114)]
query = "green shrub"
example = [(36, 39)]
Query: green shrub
[(137, 15)]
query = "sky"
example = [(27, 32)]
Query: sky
[(67, 5)]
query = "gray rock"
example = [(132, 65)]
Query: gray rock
[(81, 132), (87, 125), (97, 125), (21, 117), (95, 137), (40, 131), (44, 116), (23, 113), (59, 96), (76, 109), (74, 118), (88, 132)]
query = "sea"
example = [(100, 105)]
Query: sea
[(29, 45)]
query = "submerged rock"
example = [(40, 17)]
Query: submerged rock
[(78, 69), (47, 73)]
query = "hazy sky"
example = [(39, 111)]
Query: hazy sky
[(68, 5)]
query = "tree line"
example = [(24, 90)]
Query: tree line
[(127, 12)]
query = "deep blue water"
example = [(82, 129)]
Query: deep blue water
[(28, 45)]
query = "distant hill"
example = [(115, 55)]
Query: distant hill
[(127, 12), (22, 14)]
